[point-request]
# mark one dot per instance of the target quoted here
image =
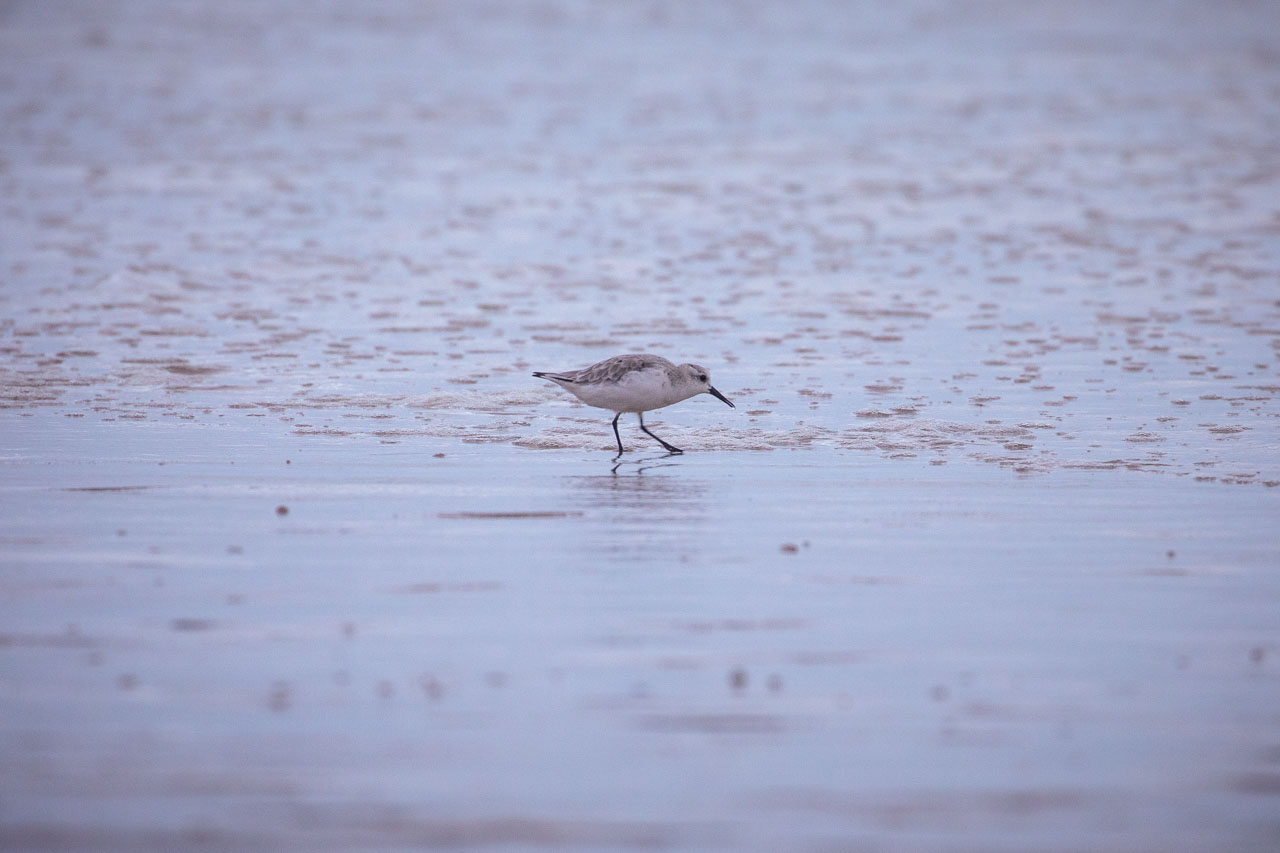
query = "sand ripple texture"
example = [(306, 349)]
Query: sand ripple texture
[(1051, 242)]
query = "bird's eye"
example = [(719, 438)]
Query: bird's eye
[(702, 377)]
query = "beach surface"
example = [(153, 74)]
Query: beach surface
[(296, 554)]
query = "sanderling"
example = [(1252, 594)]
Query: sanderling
[(635, 383)]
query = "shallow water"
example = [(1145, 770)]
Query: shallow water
[(297, 554), (724, 650)]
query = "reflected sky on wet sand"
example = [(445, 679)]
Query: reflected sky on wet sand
[(297, 554)]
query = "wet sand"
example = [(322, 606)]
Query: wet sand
[(296, 554)]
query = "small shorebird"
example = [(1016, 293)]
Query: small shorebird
[(635, 383)]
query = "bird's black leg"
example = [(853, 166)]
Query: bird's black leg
[(670, 447), (615, 432)]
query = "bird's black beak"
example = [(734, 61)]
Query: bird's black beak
[(714, 393)]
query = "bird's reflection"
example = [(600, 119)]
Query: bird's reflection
[(645, 463), (659, 485), (643, 507)]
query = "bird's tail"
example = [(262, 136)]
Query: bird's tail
[(554, 377)]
